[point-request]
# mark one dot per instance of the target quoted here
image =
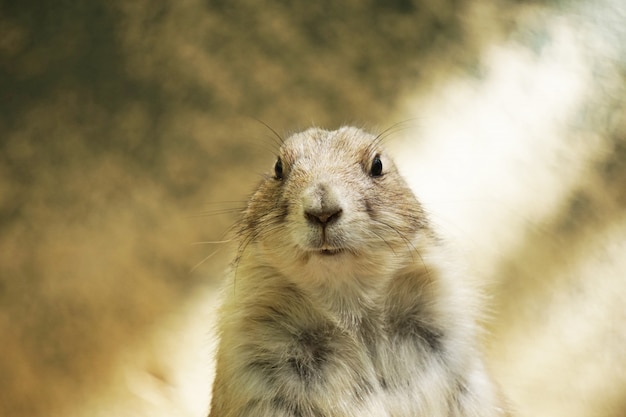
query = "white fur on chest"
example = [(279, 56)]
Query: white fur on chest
[(334, 351)]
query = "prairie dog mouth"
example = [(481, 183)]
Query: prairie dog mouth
[(330, 252)]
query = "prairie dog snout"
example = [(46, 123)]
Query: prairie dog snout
[(321, 205)]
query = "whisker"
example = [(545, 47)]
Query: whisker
[(391, 130), (213, 203), (383, 239), (402, 236), (276, 135), (262, 146), (196, 266), (223, 207), (245, 241), (272, 227), (410, 245), (212, 242), (218, 212)]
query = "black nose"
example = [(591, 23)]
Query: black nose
[(323, 217)]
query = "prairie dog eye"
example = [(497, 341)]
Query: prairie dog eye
[(377, 167), (278, 169)]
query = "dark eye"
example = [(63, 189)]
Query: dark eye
[(278, 169), (377, 167)]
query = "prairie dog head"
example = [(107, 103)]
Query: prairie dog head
[(334, 207)]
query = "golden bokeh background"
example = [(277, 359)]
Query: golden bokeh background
[(131, 132)]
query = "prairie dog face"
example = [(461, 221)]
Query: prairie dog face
[(334, 206)]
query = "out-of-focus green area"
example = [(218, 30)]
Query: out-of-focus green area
[(121, 122)]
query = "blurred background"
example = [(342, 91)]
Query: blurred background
[(131, 133)]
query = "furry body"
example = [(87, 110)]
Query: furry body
[(342, 302)]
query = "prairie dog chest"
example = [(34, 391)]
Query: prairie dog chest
[(378, 363)]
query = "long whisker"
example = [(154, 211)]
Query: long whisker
[(222, 207), (245, 240), (262, 145), (221, 241), (279, 137), (410, 245), (212, 242), (383, 239), (218, 212), (391, 130), (196, 266)]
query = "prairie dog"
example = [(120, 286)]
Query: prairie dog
[(342, 302)]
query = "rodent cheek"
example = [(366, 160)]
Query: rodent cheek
[(296, 229)]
